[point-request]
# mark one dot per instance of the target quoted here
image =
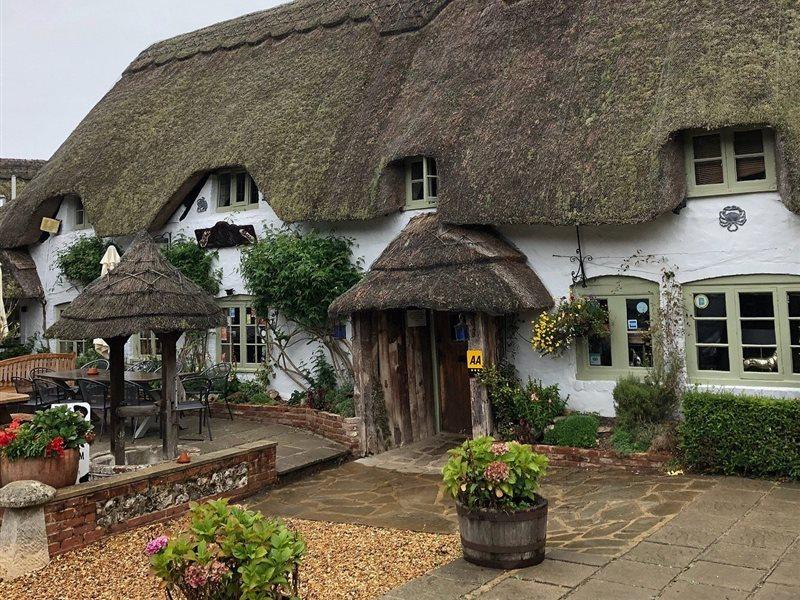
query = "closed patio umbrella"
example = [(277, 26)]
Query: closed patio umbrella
[(109, 261), (3, 317)]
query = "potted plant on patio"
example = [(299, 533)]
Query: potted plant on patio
[(503, 521), (229, 553), (46, 448)]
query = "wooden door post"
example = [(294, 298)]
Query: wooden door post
[(481, 337), (169, 424), (116, 390)]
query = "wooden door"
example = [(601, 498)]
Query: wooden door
[(454, 391)]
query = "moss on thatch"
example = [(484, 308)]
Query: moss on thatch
[(543, 111), (143, 293), (20, 279), (447, 267)]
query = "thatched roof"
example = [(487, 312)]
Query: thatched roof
[(143, 293), (557, 111), (24, 169), (447, 267), (20, 279)]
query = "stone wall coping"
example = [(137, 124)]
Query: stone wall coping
[(159, 470)]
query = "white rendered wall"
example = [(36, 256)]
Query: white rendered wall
[(692, 244)]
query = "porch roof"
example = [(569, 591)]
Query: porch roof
[(447, 267), (20, 277)]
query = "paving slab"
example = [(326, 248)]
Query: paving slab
[(596, 589), (756, 536), (743, 556), (431, 588), (771, 591), (786, 573), (519, 588), (685, 590), (638, 574), (461, 570), (719, 575), (663, 554), (557, 572)]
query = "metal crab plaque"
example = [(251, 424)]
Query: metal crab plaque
[(732, 217)]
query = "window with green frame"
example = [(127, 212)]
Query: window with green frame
[(422, 182), (66, 346), (730, 161), (244, 341), (630, 302), (744, 328), (146, 345), (234, 190)]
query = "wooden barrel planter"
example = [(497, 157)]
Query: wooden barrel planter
[(504, 540), (56, 471)]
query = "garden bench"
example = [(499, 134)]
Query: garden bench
[(20, 366)]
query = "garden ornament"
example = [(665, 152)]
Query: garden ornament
[(23, 537)]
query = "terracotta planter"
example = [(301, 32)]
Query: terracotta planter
[(504, 540), (56, 471)]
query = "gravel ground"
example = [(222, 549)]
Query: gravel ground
[(344, 562)]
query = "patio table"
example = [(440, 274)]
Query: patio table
[(7, 398)]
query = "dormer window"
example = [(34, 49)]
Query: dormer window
[(79, 215), (730, 161), (422, 182), (235, 190)]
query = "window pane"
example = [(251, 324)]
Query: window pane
[(640, 352), (794, 304), (707, 146), (713, 358), (795, 360), (416, 169), (253, 191), (224, 187), (748, 142), (750, 169), (637, 314), (756, 304), (431, 166), (708, 172), (758, 332), (417, 191), (760, 360), (709, 305), (600, 347), (794, 333), (712, 332), (241, 183), (432, 185)]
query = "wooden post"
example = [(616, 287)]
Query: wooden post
[(116, 390), (364, 382), (482, 333), (169, 424)]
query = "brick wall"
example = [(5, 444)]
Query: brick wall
[(343, 430), (567, 456), (81, 514)]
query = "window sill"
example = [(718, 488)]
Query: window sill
[(237, 208), (690, 195), (609, 373)]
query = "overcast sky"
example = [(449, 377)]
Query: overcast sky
[(59, 57)]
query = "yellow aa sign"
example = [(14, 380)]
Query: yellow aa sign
[(474, 359)]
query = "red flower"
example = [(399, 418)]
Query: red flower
[(6, 438), (56, 446), (15, 424)]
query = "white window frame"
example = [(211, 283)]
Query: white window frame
[(79, 215), (430, 172), (236, 203), (76, 347), (728, 158), (243, 303)]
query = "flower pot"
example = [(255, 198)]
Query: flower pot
[(503, 540), (56, 471)]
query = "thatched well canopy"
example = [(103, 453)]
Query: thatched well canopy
[(143, 293), (546, 111), (20, 279), (447, 267)]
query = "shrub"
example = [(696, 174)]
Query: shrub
[(638, 403), (579, 431), (89, 355), (482, 473), (250, 391), (520, 411), (229, 553), (49, 433), (556, 330), (746, 435), (80, 262), (631, 442), (194, 262)]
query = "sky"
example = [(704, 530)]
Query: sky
[(59, 57)]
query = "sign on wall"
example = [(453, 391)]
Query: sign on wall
[(225, 235), (475, 360)]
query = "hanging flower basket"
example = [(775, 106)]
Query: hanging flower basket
[(555, 331)]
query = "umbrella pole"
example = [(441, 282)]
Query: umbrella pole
[(117, 393), (169, 424)]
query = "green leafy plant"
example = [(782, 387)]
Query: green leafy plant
[(80, 261), (194, 262), (484, 473), (579, 431), (250, 391), (556, 330), (631, 441), (49, 433), (745, 435), (229, 553), (89, 355), (520, 411)]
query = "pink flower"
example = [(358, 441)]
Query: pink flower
[(195, 576), (157, 545), (499, 448), (496, 471), (217, 570), (534, 397)]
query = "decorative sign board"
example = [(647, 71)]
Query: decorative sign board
[(475, 360), (50, 225), (225, 235), (701, 301), (633, 324), (86, 410), (416, 318), (594, 359), (642, 308)]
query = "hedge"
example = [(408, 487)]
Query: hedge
[(578, 431), (745, 435)]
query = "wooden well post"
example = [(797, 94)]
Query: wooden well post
[(116, 391)]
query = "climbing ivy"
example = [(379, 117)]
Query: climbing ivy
[(80, 262), (194, 262)]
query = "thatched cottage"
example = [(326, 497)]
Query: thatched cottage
[(487, 156)]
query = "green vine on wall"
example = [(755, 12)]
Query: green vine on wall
[(80, 262), (194, 262)]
